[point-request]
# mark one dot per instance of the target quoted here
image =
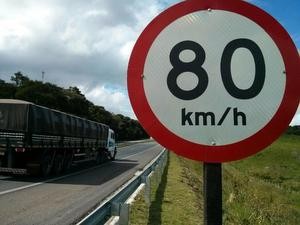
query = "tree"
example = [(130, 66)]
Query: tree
[(71, 101), (75, 91), (19, 79), (293, 130), (7, 90), (77, 103), (99, 114)]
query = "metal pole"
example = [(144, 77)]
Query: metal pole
[(212, 186)]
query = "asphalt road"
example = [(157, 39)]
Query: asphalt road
[(66, 199)]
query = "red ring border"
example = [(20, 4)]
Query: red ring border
[(223, 153)]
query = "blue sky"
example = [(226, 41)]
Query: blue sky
[(88, 43), (286, 12)]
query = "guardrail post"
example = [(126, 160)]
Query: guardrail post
[(161, 166), (124, 214), (147, 191), (115, 209), (159, 174)]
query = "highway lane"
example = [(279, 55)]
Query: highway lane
[(66, 199), (8, 183)]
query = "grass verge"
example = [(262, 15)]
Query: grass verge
[(265, 188), (175, 201), (261, 190)]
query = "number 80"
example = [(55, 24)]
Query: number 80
[(195, 67)]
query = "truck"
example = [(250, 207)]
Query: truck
[(38, 140)]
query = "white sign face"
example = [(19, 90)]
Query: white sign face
[(214, 77)]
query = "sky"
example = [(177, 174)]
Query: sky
[(88, 43)]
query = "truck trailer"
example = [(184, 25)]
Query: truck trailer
[(37, 140)]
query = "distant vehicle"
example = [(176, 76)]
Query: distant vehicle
[(36, 139)]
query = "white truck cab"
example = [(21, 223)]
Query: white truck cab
[(111, 144)]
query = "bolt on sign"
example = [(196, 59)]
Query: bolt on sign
[(214, 81)]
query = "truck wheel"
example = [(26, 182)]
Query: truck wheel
[(113, 155), (46, 165), (100, 158), (58, 164), (68, 161), (33, 168)]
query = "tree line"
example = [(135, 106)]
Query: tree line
[(69, 100), (293, 130)]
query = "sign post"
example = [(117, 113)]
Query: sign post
[(214, 81), (212, 189)]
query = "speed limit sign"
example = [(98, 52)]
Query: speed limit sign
[(213, 80)]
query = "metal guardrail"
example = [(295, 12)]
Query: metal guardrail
[(112, 205)]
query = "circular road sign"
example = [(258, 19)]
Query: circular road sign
[(214, 81)]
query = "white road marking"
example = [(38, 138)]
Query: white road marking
[(65, 176), (148, 149)]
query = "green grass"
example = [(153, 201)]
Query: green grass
[(175, 201), (261, 190), (265, 188)]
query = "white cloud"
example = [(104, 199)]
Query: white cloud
[(114, 100), (80, 43), (296, 119), (95, 13), (126, 49)]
